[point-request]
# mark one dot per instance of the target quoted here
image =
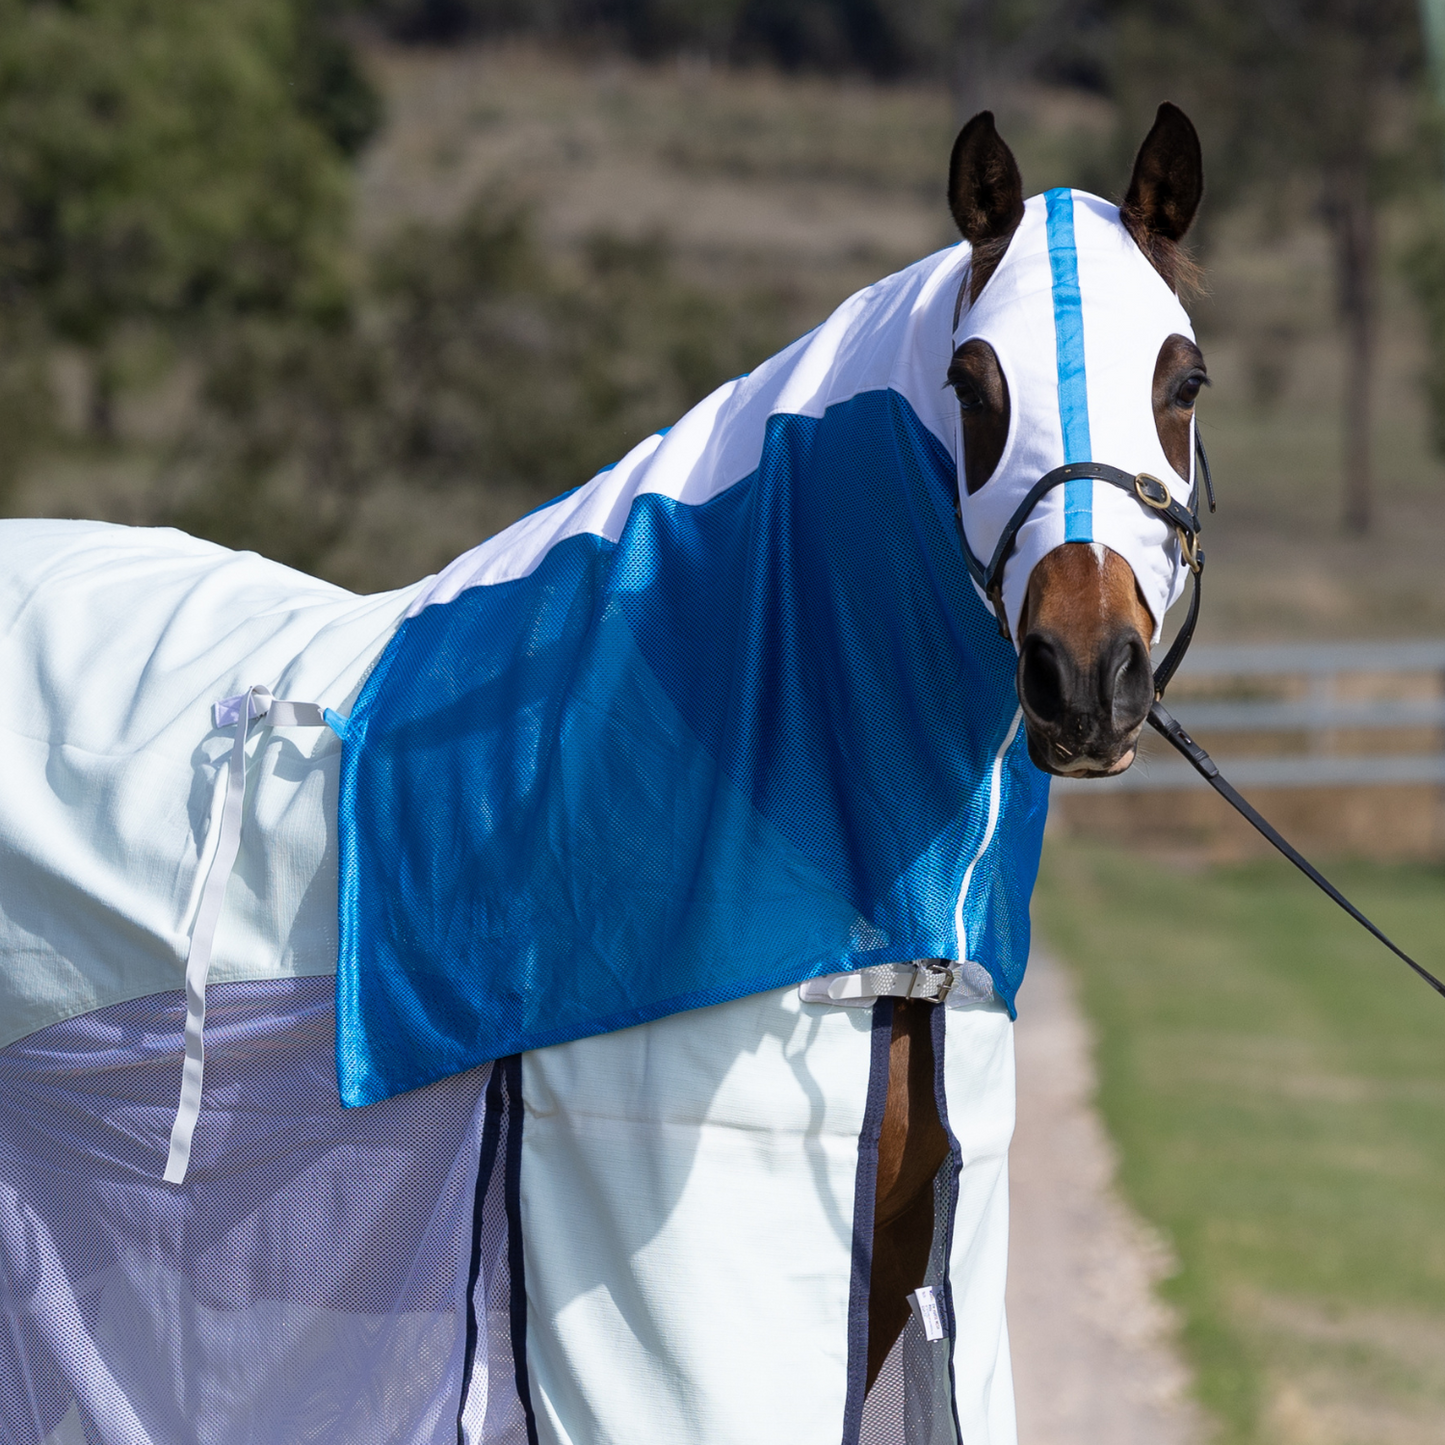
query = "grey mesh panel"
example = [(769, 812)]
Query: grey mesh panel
[(911, 1401)]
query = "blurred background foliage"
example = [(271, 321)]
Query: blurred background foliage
[(355, 282)]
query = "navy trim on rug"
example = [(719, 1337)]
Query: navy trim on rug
[(511, 1069), (955, 1161), (864, 1198), (491, 1135)]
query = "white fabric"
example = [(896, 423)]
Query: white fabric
[(978, 1073), (1128, 313), (687, 1193), (687, 1207), (114, 643)]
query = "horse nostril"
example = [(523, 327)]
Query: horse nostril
[(1127, 682), (1041, 681)]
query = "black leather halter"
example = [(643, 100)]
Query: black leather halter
[(1154, 494), (1150, 492)]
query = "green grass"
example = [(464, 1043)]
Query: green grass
[(1276, 1084)]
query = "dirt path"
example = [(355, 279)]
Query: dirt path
[(1094, 1360)]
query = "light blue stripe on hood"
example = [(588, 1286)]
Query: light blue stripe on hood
[(1073, 385)]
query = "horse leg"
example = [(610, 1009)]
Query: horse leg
[(912, 1145)]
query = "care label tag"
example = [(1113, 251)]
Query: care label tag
[(926, 1307)]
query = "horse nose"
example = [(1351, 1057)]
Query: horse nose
[(1075, 701), (1044, 688), (1126, 681)]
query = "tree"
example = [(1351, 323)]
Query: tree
[(998, 45), (1285, 88), (161, 160), (477, 367)]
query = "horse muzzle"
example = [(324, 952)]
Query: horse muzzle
[(1083, 713)]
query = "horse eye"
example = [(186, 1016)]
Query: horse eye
[(968, 395), (1189, 389)]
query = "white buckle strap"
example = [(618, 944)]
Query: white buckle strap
[(259, 705), (930, 979)]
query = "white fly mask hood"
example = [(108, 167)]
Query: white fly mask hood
[(1076, 316)]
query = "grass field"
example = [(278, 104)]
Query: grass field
[(1276, 1084)]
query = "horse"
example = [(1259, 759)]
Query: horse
[(656, 878)]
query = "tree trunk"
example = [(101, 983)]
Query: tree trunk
[(1352, 222), (992, 59), (100, 407), (976, 60)]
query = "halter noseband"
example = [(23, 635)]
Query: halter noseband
[(1150, 492)]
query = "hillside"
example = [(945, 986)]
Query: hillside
[(775, 199)]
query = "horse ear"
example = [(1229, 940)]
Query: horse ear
[(1168, 180), (985, 190)]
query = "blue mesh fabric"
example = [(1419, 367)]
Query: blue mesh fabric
[(748, 743)]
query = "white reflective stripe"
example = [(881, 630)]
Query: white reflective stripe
[(995, 790), (258, 703)]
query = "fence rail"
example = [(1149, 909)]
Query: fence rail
[(1315, 716)]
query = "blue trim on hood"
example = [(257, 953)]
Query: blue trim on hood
[(1073, 383)]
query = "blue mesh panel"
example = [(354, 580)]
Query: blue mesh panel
[(748, 743)]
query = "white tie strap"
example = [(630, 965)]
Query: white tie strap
[(259, 705)]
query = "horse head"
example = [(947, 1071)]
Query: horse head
[(1071, 347)]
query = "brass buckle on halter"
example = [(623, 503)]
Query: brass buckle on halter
[(1155, 494), (1152, 492)]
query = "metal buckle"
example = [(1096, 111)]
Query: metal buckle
[(1159, 500), (931, 981)]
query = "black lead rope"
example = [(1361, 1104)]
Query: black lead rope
[(1168, 727), (1164, 723), (1155, 495)]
